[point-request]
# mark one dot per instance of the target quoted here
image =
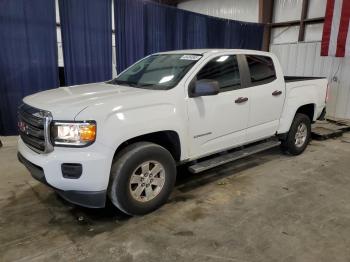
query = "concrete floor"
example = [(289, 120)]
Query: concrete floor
[(270, 207)]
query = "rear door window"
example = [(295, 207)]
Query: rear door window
[(262, 70)]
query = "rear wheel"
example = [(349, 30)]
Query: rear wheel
[(142, 178), (299, 135)]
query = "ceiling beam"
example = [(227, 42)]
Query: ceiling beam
[(316, 20)]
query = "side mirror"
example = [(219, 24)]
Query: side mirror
[(204, 87)]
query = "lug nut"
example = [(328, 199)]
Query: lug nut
[(143, 184), (151, 180)]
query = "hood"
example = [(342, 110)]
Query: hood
[(67, 102)]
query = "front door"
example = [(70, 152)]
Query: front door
[(218, 122)]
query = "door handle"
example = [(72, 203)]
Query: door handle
[(276, 93), (241, 100)]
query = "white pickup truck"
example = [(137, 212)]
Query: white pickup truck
[(123, 138)]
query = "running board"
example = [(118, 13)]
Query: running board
[(229, 157)]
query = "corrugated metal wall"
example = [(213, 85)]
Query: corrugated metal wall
[(303, 59), (243, 10), (288, 10), (296, 58)]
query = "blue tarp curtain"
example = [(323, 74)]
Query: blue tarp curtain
[(87, 40), (28, 55), (28, 44), (144, 27)]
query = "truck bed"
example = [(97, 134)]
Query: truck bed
[(309, 90), (300, 78)]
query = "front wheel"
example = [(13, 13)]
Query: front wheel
[(299, 135), (142, 178)]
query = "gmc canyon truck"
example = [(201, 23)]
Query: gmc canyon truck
[(124, 138)]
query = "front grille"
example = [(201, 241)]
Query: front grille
[(34, 128)]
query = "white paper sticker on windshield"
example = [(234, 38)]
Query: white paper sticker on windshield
[(191, 57)]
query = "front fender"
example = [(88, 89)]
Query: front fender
[(124, 123)]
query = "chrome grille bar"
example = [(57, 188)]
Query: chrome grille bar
[(34, 128)]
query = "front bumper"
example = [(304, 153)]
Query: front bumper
[(92, 199), (89, 189)]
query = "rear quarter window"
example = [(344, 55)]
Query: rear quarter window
[(262, 70)]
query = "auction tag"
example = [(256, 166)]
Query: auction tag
[(190, 57)]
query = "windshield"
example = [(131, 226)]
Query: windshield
[(158, 72)]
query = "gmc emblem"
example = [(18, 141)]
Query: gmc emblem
[(23, 127)]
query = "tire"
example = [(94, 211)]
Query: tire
[(130, 166), (290, 144)]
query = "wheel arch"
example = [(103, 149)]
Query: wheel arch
[(307, 109), (168, 139), (287, 119)]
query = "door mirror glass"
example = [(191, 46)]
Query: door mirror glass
[(205, 87)]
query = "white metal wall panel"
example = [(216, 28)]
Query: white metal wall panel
[(313, 32), (57, 12), (343, 95), (303, 59), (317, 8), (281, 35), (59, 37), (291, 66), (318, 62), (60, 54), (243, 10), (114, 55), (114, 62), (301, 54), (286, 10), (112, 15), (58, 34)]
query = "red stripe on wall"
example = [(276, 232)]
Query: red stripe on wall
[(343, 28), (326, 35)]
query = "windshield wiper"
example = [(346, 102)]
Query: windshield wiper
[(127, 83), (143, 85), (132, 84)]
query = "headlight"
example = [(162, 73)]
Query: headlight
[(73, 133)]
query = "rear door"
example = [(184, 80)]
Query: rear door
[(218, 122), (267, 94)]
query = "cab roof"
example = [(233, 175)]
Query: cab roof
[(216, 51)]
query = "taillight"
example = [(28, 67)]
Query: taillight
[(327, 93)]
